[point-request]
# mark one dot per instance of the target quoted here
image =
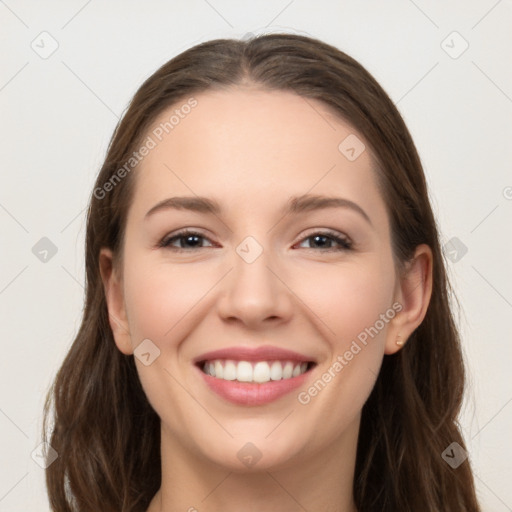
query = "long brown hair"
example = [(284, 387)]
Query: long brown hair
[(106, 433)]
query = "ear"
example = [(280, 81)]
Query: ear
[(413, 293), (114, 295)]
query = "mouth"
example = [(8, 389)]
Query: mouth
[(253, 377)]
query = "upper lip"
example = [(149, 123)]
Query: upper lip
[(263, 353)]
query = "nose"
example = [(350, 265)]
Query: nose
[(255, 293)]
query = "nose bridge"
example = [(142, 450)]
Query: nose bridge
[(253, 292), (252, 280)]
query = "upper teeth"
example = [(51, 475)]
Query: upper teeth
[(261, 371)]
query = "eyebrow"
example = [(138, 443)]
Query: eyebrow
[(296, 204)]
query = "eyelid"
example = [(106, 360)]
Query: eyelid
[(325, 231)]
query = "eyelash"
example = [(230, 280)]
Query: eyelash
[(344, 243)]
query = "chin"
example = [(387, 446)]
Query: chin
[(260, 454)]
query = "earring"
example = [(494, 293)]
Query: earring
[(399, 342)]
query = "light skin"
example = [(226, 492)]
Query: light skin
[(251, 150)]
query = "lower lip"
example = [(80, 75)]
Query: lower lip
[(251, 393)]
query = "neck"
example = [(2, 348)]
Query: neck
[(323, 483)]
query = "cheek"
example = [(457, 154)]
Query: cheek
[(160, 302), (348, 299), (158, 297), (351, 305), (355, 307)]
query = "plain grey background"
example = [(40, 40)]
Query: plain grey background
[(68, 71)]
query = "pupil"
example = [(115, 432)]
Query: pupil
[(319, 237), (192, 237)]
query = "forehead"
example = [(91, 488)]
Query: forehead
[(248, 145)]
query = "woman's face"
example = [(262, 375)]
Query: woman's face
[(270, 268)]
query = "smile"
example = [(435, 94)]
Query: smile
[(253, 376)]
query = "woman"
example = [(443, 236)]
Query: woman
[(267, 323)]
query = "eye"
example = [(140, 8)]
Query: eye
[(324, 240), (189, 240), (186, 239)]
